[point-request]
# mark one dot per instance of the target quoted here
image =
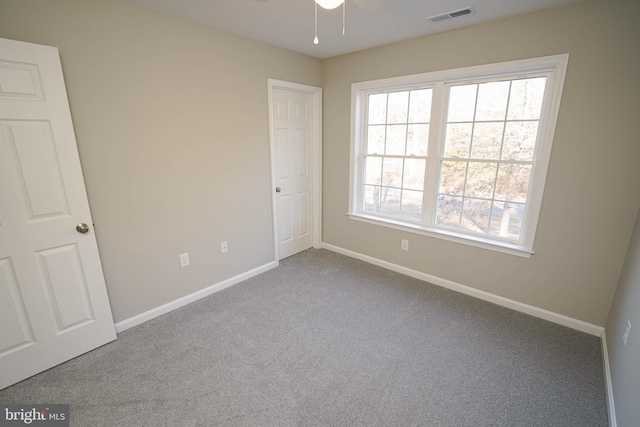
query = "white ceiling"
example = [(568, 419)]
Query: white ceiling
[(369, 23)]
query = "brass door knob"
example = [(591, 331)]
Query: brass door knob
[(278, 189), (82, 228)]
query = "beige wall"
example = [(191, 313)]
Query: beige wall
[(172, 127), (592, 191), (625, 360)]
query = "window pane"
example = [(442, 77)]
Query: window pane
[(373, 166), (520, 141), (371, 198), (480, 179), (392, 172), (375, 139), (420, 106), (393, 185), (417, 140), (492, 101), (494, 122), (377, 109), (506, 220), (458, 140), (526, 97), (475, 215), (390, 201), (452, 175), (411, 205), (462, 102), (414, 174), (449, 210), (513, 182), (398, 106), (487, 139), (396, 137)]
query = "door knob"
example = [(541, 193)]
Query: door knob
[(82, 227), (278, 189)]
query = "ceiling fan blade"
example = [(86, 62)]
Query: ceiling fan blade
[(369, 5)]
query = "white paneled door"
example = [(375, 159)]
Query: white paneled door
[(293, 133), (53, 299)]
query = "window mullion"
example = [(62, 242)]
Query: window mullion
[(362, 154), (436, 140)]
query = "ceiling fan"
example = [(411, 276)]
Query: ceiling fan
[(332, 4)]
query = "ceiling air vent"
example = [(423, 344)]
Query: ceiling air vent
[(452, 14)]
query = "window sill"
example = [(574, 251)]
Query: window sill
[(451, 236)]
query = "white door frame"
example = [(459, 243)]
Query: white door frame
[(316, 159)]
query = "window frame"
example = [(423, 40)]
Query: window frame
[(553, 67)]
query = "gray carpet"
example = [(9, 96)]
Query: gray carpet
[(326, 340)]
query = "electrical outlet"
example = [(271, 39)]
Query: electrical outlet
[(224, 248), (404, 245), (184, 259), (627, 331)]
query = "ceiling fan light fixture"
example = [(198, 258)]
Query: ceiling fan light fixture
[(329, 4)]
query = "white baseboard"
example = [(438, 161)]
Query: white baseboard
[(187, 299), (611, 408), (486, 296)]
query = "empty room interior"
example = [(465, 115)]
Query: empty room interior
[(416, 297)]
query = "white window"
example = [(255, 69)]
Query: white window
[(459, 154)]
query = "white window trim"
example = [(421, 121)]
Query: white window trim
[(557, 64)]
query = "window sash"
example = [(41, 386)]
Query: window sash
[(436, 147)]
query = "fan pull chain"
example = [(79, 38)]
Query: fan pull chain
[(344, 14), (315, 40)]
